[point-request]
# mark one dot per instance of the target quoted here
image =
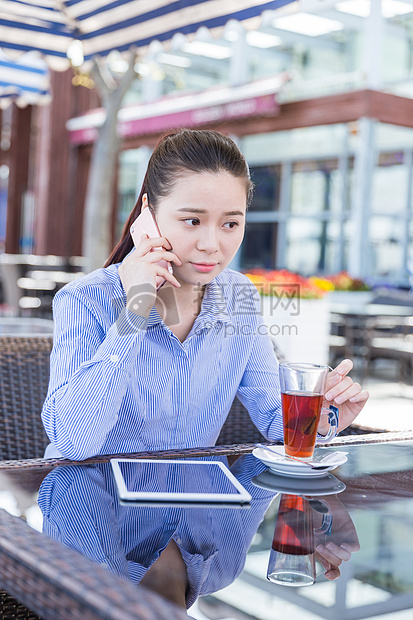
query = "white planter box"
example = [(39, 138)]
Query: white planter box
[(300, 327)]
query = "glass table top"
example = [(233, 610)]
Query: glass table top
[(214, 559)]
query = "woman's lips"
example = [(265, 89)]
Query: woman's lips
[(204, 267)]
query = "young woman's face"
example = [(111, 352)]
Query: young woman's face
[(203, 218)]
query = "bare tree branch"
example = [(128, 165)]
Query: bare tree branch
[(101, 84), (129, 75)]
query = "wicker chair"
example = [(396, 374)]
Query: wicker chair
[(238, 427), (60, 583), (24, 378)]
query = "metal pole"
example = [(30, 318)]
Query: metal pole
[(407, 267), (284, 206), (365, 155), (373, 46), (363, 176), (343, 166)]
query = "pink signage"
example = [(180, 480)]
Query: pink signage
[(255, 106)]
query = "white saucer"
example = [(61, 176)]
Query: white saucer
[(326, 485), (285, 467)]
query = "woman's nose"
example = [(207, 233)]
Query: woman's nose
[(208, 240)]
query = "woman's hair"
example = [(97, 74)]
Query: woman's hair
[(178, 153)]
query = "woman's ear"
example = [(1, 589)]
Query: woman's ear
[(145, 201)]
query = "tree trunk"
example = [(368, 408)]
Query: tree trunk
[(99, 194)]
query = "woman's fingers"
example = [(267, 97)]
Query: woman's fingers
[(336, 376), (351, 547), (333, 554), (360, 397), (164, 273), (148, 243), (332, 573), (339, 388), (345, 390), (154, 250), (158, 255), (343, 368)]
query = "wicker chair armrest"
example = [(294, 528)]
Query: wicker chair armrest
[(57, 582)]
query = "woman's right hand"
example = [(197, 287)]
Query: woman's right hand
[(139, 270)]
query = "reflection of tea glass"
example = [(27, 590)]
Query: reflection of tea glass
[(292, 557), (302, 393)]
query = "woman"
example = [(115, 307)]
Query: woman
[(136, 368)]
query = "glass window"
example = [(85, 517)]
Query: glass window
[(310, 143), (307, 191), (409, 265), (313, 246), (386, 247), (389, 186), (311, 186), (396, 58), (258, 247), (268, 62), (201, 74), (267, 186), (303, 245)]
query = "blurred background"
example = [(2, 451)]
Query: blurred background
[(319, 100), (318, 95)]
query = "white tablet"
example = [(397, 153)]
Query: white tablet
[(150, 480)]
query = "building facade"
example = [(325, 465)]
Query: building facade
[(320, 103)]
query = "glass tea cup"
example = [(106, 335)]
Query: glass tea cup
[(302, 392), (292, 557)]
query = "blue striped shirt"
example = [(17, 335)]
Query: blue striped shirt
[(81, 509), (122, 383)]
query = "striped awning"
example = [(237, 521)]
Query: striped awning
[(51, 26), (25, 80)]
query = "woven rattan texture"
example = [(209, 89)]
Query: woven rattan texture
[(61, 584), (37, 465), (10, 609), (238, 427), (24, 378)]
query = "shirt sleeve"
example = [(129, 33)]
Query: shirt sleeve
[(259, 390), (89, 374)]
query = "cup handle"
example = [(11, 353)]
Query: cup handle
[(332, 413), (327, 522)]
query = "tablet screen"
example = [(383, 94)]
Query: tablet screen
[(176, 480)]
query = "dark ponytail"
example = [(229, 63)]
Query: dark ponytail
[(178, 153)]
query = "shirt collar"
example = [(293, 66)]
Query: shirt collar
[(214, 304)]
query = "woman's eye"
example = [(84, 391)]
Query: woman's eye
[(231, 224), (192, 221)]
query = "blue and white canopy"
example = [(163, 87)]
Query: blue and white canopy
[(25, 80), (51, 26)]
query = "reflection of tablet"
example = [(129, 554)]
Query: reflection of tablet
[(150, 480)]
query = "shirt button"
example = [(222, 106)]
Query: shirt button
[(114, 358)]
